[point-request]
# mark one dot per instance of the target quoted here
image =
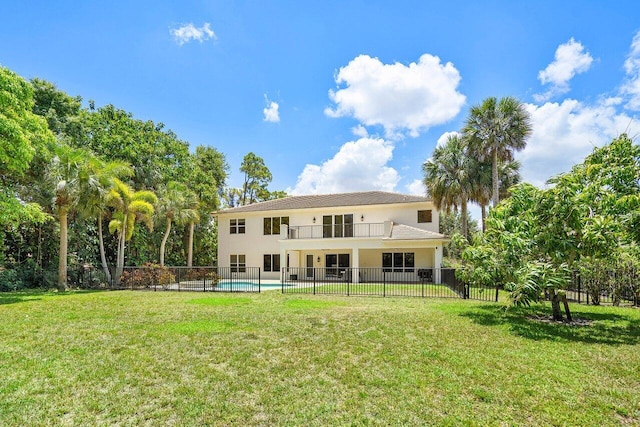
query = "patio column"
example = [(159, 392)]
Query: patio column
[(283, 263), (437, 264), (355, 276)]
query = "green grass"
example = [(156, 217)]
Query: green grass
[(162, 358)]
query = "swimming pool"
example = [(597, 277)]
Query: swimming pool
[(227, 285)]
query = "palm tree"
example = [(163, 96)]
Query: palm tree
[(480, 175), (170, 208), (495, 129), (446, 176), (191, 216), (130, 207), (70, 170), (94, 198)]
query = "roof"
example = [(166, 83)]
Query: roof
[(329, 200), (406, 232)]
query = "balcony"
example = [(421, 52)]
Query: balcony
[(336, 231)]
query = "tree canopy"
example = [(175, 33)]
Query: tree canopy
[(588, 216)]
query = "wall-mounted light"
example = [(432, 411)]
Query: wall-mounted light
[(314, 219), (361, 217), (318, 260)]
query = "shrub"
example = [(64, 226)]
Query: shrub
[(202, 274), (147, 275), (9, 280)]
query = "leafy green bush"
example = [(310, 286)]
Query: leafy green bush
[(9, 280)]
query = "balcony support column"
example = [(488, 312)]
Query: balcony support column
[(356, 266)]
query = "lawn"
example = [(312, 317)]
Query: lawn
[(168, 358)]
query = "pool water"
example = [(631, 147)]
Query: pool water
[(248, 286)]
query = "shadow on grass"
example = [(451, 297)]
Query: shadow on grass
[(602, 328), (36, 295)]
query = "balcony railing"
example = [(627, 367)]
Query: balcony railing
[(336, 231)]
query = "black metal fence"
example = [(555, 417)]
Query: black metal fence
[(424, 283), (609, 289)]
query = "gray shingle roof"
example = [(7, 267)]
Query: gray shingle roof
[(329, 200), (406, 232)]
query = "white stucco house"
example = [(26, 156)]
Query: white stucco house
[(334, 234)]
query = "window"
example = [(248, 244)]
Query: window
[(238, 263), (398, 262), (337, 225), (336, 263), (236, 226), (424, 216), (271, 262), (272, 225)]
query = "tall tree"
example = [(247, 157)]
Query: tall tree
[(157, 156), (232, 197), (191, 216), (175, 205), (22, 133), (589, 216), (495, 129), (256, 179), (446, 176), (480, 176), (71, 172), (63, 113), (209, 177), (130, 207), (94, 198)]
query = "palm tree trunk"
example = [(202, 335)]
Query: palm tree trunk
[(164, 241), (120, 254), (494, 178), (463, 219), (103, 258), (190, 252), (62, 262), (483, 215)]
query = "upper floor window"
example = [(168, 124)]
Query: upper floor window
[(337, 225), (272, 225), (424, 216), (236, 226)]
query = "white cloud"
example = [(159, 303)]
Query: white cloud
[(358, 166), (417, 188), (398, 97), (564, 133), (632, 66), (271, 111), (189, 32), (360, 131), (445, 136), (570, 59)]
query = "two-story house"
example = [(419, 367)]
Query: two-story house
[(332, 233)]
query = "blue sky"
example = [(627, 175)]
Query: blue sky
[(342, 95)]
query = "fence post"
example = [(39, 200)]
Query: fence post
[(496, 293), (314, 281)]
